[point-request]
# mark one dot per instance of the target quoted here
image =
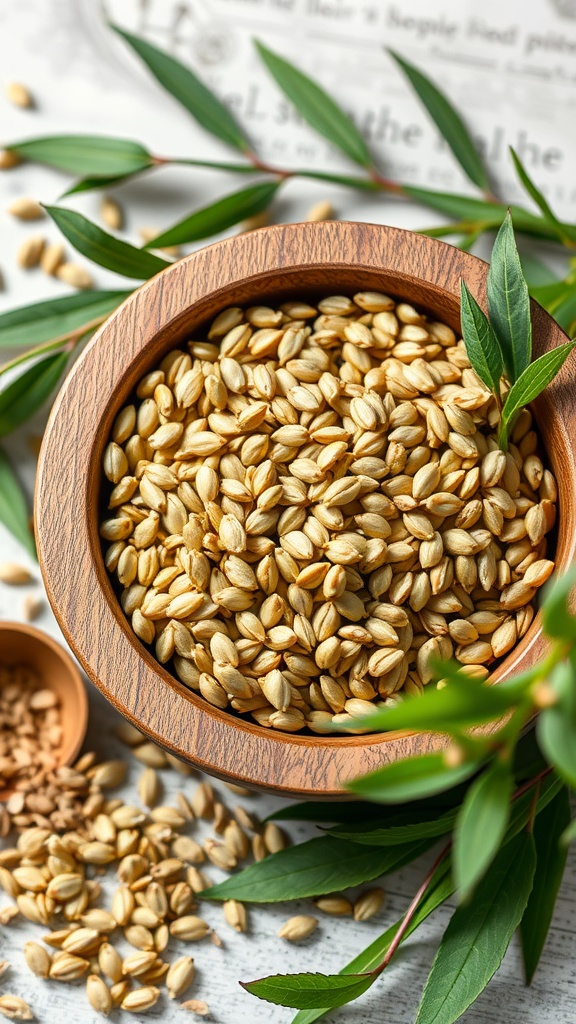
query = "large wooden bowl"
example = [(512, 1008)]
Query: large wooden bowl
[(299, 260)]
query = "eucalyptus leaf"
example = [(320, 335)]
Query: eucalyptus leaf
[(564, 231), (90, 183), (415, 777), (551, 855), (104, 249), (94, 155), (25, 395), (310, 991), (556, 726), (13, 509), (476, 212), (522, 806), (218, 216), (480, 825), (481, 343), (462, 703), (403, 831), (309, 869), (54, 318), (509, 303), (439, 889), (316, 107), (478, 935), (557, 620), (189, 90), (447, 120), (530, 384)]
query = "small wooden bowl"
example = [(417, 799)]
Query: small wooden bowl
[(25, 645), (298, 260)]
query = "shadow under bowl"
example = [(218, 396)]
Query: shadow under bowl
[(271, 265)]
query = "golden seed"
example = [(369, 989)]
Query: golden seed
[(180, 976), (74, 275), (111, 213), (98, 994), (26, 209), (15, 1008), (29, 252), (297, 928), (368, 904)]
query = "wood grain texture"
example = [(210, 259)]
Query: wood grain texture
[(301, 260)]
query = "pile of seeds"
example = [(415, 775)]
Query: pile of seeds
[(54, 876), (310, 506), (30, 729)]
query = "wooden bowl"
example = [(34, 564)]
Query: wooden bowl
[(298, 260), (25, 645)]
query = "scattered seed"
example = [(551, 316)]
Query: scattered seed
[(25, 208), (297, 928)]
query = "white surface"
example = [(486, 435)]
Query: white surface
[(58, 48)]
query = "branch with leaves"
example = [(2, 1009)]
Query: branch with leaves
[(498, 800), (56, 327)]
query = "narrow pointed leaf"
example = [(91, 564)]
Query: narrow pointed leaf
[(478, 935), (557, 620), (42, 321), (13, 508), (25, 395), (522, 807), (481, 825), (551, 856), (316, 107), (463, 702), (481, 343), (509, 303), (372, 834), (480, 213), (218, 216), (309, 991), (447, 120), (565, 232), (439, 890), (309, 869), (408, 780), (90, 183), (556, 726), (189, 90), (94, 155), (104, 249), (530, 384)]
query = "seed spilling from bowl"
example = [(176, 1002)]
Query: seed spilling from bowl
[(309, 507)]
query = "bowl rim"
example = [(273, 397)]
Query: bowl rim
[(72, 748), (154, 318)]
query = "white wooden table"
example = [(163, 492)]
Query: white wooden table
[(36, 46)]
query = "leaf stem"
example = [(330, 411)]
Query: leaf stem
[(73, 336), (526, 786), (411, 911)]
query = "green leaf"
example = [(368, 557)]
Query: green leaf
[(13, 509), (557, 620), (522, 806), (480, 213), (104, 249), (509, 303), (478, 935), (481, 825), (564, 232), (316, 107), (189, 90), (530, 384), (556, 726), (549, 828), (96, 155), (462, 703), (569, 834), (310, 991), (448, 121), (439, 890), (25, 395), (481, 343), (415, 777), (218, 216), (404, 830), (324, 811), (42, 321), (311, 868)]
